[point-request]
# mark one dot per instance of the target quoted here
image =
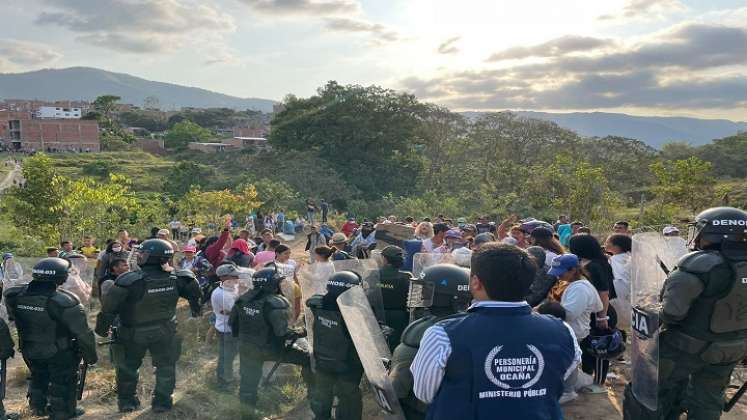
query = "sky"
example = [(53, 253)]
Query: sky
[(643, 57)]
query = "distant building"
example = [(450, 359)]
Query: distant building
[(240, 143), (154, 146), (57, 112), (250, 131), (32, 105), (211, 147), (18, 131)]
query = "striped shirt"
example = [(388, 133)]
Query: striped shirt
[(429, 364)]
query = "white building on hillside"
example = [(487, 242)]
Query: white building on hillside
[(57, 112)]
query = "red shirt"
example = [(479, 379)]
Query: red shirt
[(349, 227)]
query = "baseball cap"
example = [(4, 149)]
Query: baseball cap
[(164, 232), (7, 255), (483, 238), (562, 264), (668, 230), (189, 248), (196, 230), (230, 270), (392, 251), (454, 233)]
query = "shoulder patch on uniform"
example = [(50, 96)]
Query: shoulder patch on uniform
[(129, 278), (15, 291), (64, 298), (413, 333), (700, 261)]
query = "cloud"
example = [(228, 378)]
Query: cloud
[(448, 47), (136, 26), (24, 53), (635, 9), (304, 7), (688, 66), (556, 47), (380, 33)]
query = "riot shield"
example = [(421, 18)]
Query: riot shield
[(652, 258), (372, 348), (313, 281), (368, 269), (421, 261), (74, 283)]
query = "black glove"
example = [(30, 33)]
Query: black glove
[(102, 327)]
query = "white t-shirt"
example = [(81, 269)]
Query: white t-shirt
[(579, 300), (223, 301), (549, 256)]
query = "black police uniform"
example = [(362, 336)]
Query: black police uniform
[(145, 303), (6, 351), (259, 319), (338, 368), (54, 335), (394, 286)]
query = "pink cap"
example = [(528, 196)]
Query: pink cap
[(189, 248)]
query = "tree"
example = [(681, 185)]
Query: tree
[(367, 134), (276, 194), (204, 207), (185, 132), (36, 204), (727, 155), (686, 182), (105, 105), (185, 175)]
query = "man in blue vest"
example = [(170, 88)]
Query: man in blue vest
[(499, 357)]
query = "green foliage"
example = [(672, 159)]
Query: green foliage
[(98, 168), (185, 175), (687, 182), (367, 134), (275, 195), (727, 156), (185, 132), (146, 120), (203, 207)]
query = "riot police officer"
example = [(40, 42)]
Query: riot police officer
[(394, 286), (6, 352), (145, 303), (260, 320), (54, 335), (704, 332), (338, 368), (444, 291)]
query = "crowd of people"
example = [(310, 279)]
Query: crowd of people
[(514, 317)]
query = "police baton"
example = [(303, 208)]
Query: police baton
[(3, 376), (82, 372), (286, 349), (727, 407)]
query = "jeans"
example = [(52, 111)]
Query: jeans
[(227, 349)]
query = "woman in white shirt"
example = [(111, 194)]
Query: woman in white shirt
[(619, 246), (580, 299)]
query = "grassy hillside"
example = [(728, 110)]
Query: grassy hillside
[(146, 171)]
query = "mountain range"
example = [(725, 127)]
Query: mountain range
[(85, 83), (76, 83)]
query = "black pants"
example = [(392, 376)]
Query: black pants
[(164, 353), (344, 386), (250, 368), (589, 363), (53, 382)]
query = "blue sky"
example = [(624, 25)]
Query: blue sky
[(649, 57)]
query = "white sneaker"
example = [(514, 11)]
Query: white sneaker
[(568, 397), (611, 375), (583, 380)]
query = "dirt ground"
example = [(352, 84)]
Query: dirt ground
[(196, 396)]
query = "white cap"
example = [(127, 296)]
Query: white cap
[(668, 230)]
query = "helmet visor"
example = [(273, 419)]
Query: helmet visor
[(420, 294), (692, 235)]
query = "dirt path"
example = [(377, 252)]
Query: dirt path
[(10, 177)]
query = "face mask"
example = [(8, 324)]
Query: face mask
[(116, 249)]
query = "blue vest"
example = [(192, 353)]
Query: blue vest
[(412, 247), (505, 363)]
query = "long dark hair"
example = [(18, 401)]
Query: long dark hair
[(550, 244), (587, 247)]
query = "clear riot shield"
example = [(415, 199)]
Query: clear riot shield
[(75, 283), (652, 258), (368, 269), (421, 261), (313, 281), (372, 348)]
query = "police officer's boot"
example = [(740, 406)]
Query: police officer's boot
[(161, 404), (37, 402), (128, 405)]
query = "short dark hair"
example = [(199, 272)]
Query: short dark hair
[(117, 261), (552, 308), (623, 223), (265, 230), (577, 223), (281, 248), (624, 242), (505, 271), (409, 219), (440, 227), (63, 243)]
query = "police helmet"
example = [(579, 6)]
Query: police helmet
[(154, 252), (267, 279), (716, 226), (342, 281), (606, 346), (51, 270), (440, 285), (394, 255)]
